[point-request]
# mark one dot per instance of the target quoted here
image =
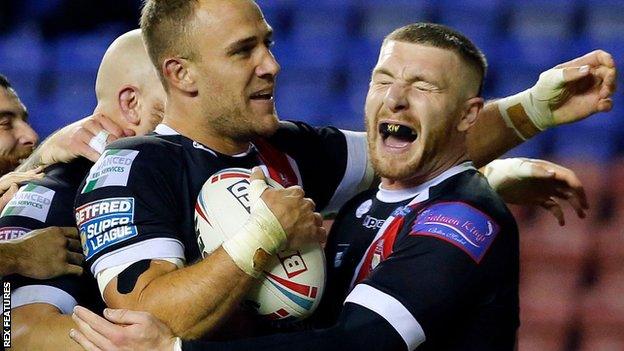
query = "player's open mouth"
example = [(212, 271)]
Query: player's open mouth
[(396, 136), (266, 94)]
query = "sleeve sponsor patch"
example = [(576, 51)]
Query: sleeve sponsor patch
[(112, 169), (10, 233), (459, 224), (104, 223), (32, 201)]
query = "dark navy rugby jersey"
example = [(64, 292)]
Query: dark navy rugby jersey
[(43, 203), (138, 200), (438, 262)]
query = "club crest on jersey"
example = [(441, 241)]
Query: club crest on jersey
[(112, 169), (10, 233), (363, 208), (104, 223), (30, 201), (459, 224), (377, 254)]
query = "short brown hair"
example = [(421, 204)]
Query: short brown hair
[(443, 37), (166, 25)]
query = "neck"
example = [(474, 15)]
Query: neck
[(186, 118), (435, 170)]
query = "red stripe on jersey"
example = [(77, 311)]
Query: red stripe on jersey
[(301, 289), (386, 240), (277, 163)]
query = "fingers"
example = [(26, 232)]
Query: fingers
[(111, 127), (309, 203), (604, 105), (571, 74), (73, 269), (82, 340), (95, 322), (318, 219), (128, 317), (75, 258), (74, 245), (594, 58), (83, 137), (70, 232), (573, 183), (86, 327), (256, 174), (322, 235), (552, 206), (574, 201), (540, 170), (7, 196)]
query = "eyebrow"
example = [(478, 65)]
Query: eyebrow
[(252, 40), (13, 114)]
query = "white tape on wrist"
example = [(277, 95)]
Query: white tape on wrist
[(536, 102), (177, 344), (499, 172), (261, 231)]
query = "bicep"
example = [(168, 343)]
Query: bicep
[(123, 286)]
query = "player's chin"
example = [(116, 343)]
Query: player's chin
[(266, 125)]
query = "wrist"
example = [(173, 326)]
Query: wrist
[(514, 113), (10, 253)]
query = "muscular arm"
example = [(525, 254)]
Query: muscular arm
[(41, 326), (191, 300), (490, 137)]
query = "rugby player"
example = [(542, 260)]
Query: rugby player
[(441, 272), (130, 95), (214, 59), (17, 138)]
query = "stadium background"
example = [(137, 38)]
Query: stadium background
[(572, 284)]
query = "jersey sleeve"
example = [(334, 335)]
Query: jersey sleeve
[(333, 163), (126, 209), (439, 266)]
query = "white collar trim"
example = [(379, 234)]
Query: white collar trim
[(421, 191), (164, 129)]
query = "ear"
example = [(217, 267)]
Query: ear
[(128, 100), (177, 71), (472, 107)]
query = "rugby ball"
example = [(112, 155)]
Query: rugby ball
[(293, 281)]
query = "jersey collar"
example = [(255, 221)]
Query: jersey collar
[(164, 129), (421, 192)]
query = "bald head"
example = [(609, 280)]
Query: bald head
[(127, 87)]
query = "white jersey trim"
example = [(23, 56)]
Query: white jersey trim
[(421, 191), (145, 250), (391, 310), (50, 295), (356, 176)]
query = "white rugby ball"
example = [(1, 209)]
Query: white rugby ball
[(293, 281)]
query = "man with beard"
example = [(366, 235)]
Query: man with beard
[(441, 272), (17, 138), (214, 59), (130, 95)]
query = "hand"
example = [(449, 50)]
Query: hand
[(129, 331), (13, 178), (49, 252), (585, 93), (294, 212), (73, 140), (7, 196), (531, 182)]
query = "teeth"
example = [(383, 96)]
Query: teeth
[(397, 130)]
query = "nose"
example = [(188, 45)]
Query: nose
[(396, 97), (25, 134), (268, 67)]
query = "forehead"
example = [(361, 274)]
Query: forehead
[(10, 102), (226, 21), (401, 56)]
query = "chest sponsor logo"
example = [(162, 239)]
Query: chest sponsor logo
[(372, 222), (112, 169), (104, 223), (459, 224), (10, 233), (30, 201), (363, 208)]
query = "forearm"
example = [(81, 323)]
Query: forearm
[(49, 331), (490, 137), (193, 300), (9, 256)]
